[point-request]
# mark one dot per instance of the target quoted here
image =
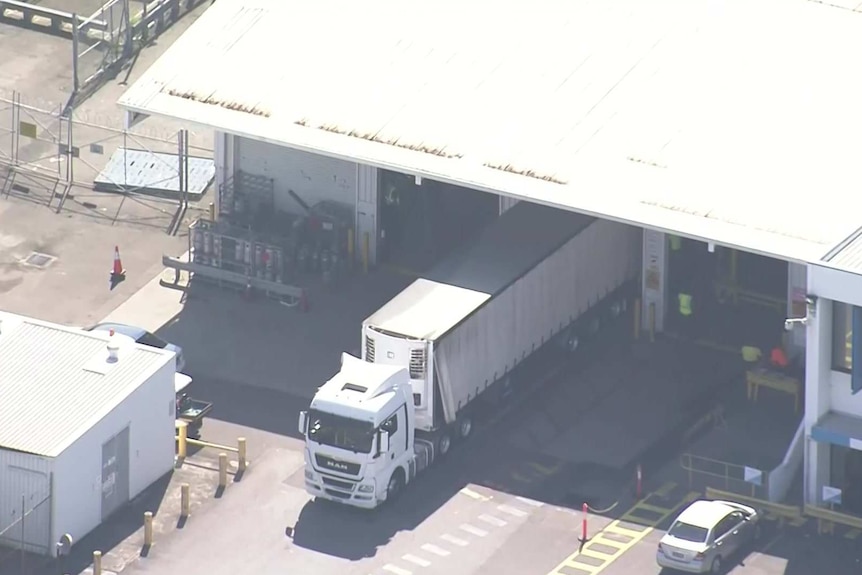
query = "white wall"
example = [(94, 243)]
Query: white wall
[(150, 413), (312, 177), (835, 285), (506, 202), (797, 289), (654, 278), (23, 474)]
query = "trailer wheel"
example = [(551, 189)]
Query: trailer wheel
[(465, 427)]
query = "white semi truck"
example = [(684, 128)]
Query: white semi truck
[(453, 338)]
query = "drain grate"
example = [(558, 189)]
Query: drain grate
[(39, 260)]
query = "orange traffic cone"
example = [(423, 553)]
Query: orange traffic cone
[(117, 273)]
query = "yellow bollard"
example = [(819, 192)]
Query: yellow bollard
[(212, 211), (652, 322), (366, 251), (222, 470), (97, 563), (185, 504), (148, 529), (240, 454), (182, 437), (637, 327)]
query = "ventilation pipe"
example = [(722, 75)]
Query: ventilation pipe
[(113, 348)]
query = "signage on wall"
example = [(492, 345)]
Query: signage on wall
[(831, 495), (752, 475)]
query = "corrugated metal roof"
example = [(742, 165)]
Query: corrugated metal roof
[(848, 255), (55, 382), (698, 117)]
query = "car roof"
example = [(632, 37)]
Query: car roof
[(705, 514), (122, 329)]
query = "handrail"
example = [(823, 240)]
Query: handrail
[(827, 518), (781, 511)]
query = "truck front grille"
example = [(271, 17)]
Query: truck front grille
[(345, 485), (417, 364), (369, 349)]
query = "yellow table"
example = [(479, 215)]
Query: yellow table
[(764, 377)]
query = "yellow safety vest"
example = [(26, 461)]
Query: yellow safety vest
[(685, 304), (675, 243), (751, 354)]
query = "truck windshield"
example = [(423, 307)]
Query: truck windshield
[(341, 432)]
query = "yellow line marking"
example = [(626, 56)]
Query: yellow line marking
[(665, 489), (650, 508), (614, 526), (592, 569), (608, 542), (470, 493), (853, 534), (545, 470), (587, 552)]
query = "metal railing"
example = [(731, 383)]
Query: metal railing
[(725, 475)]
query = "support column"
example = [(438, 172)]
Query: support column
[(818, 372), (654, 280), (367, 184), (797, 288)]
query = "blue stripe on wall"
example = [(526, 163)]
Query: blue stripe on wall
[(856, 351), (826, 435)]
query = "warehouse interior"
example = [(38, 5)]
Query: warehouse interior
[(421, 223), (738, 298)]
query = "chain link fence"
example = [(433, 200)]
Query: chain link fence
[(80, 162)]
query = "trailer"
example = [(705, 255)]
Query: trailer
[(454, 337)]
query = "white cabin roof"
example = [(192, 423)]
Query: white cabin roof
[(363, 385), (733, 121)]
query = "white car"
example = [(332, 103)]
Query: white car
[(143, 337), (706, 534)]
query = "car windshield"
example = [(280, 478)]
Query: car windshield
[(341, 432), (688, 532)]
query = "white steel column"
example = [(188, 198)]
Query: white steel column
[(654, 280), (797, 288), (366, 211), (818, 354)]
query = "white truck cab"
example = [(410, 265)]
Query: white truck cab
[(359, 431)]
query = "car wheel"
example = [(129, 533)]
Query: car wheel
[(716, 565)]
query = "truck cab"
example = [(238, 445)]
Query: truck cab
[(359, 434)]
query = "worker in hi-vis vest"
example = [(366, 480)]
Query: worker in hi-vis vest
[(685, 312)]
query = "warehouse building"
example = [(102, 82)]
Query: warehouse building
[(86, 424), (637, 112)]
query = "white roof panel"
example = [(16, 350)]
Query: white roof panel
[(701, 117), (426, 309), (56, 382)]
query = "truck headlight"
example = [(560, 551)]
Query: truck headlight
[(366, 488)]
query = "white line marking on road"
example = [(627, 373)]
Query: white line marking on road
[(431, 548), (529, 501), (454, 540), (495, 521), (512, 510), (397, 570), (470, 493), (473, 530), (416, 560)]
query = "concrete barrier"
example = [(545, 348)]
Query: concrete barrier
[(783, 513), (48, 19), (827, 519)]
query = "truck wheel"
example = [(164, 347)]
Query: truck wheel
[(396, 482), (444, 443), (465, 427)]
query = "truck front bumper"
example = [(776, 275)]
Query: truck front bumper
[(356, 498)]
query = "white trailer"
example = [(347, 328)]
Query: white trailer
[(458, 333)]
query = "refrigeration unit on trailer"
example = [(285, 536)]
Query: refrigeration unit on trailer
[(454, 336)]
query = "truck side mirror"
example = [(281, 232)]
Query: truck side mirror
[(303, 422), (384, 441)]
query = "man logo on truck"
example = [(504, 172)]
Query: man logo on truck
[(336, 465)]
